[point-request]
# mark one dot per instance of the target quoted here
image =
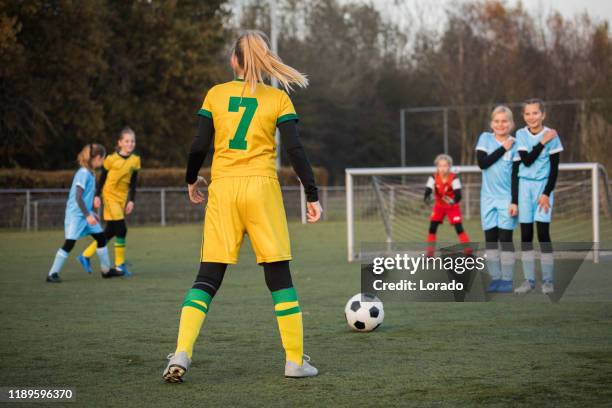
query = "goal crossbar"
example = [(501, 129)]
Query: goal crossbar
[(595, 169)]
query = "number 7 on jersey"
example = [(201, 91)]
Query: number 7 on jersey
[(250, 104)]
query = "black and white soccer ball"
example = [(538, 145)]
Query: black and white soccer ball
[(364, 312)]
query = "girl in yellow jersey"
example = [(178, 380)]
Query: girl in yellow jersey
[(118, 189), (240, 118)]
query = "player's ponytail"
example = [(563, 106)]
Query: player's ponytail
[(88, 152), (258, 61)]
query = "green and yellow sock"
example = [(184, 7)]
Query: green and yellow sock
[(119, 251), (289, 317), (90, 250), (193, 313)]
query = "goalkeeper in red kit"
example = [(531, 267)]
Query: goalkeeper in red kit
[(446, 188)]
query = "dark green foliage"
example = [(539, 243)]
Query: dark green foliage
[(78, 71), (72, 72)]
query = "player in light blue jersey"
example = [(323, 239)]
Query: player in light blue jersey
[(497, 157), (538, 148), (80, 220)]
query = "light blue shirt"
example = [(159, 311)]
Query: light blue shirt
[(539, 169), (87, 181), (497, 179)]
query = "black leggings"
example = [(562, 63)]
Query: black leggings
[(543, 229), (210, 276), (433, 227), (99, 237), (115, 229), (495, 235)]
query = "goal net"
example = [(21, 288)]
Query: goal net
[(385, 206)]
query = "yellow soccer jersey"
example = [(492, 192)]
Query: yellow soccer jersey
[(120, 171), (245, 127)]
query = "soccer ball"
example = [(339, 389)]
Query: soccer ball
[(364, 312)]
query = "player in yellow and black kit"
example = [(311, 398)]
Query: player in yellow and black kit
[(240, 117), (118, 189)]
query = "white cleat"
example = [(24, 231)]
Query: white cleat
[(292, 370), (178, 365), (526, 287), (548, 288)]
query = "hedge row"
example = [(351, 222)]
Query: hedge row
[(166, 177)]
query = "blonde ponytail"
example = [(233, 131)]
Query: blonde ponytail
[(88, 152), (257, 60)]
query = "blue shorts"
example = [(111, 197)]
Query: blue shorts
[(529, 193), (495, 213), (76, 227)]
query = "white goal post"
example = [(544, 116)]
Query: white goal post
[(386, 204)]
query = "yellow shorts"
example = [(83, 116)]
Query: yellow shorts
[(250, 205), (113, 210)]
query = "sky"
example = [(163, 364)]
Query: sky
[(430, 12), (596, 8)]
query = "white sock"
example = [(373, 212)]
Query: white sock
[(493, 264), (104, 259), (507, 265), (528, 258), (547, 261), (58, 262)]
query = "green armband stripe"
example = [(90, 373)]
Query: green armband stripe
[(287, 312), (284, 118), (205, 113), (196, 305), (284, 295), (198, 294)]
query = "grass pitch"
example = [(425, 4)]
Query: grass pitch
[(109, 338)]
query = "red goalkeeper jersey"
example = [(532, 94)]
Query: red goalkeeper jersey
[(443, 189)]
